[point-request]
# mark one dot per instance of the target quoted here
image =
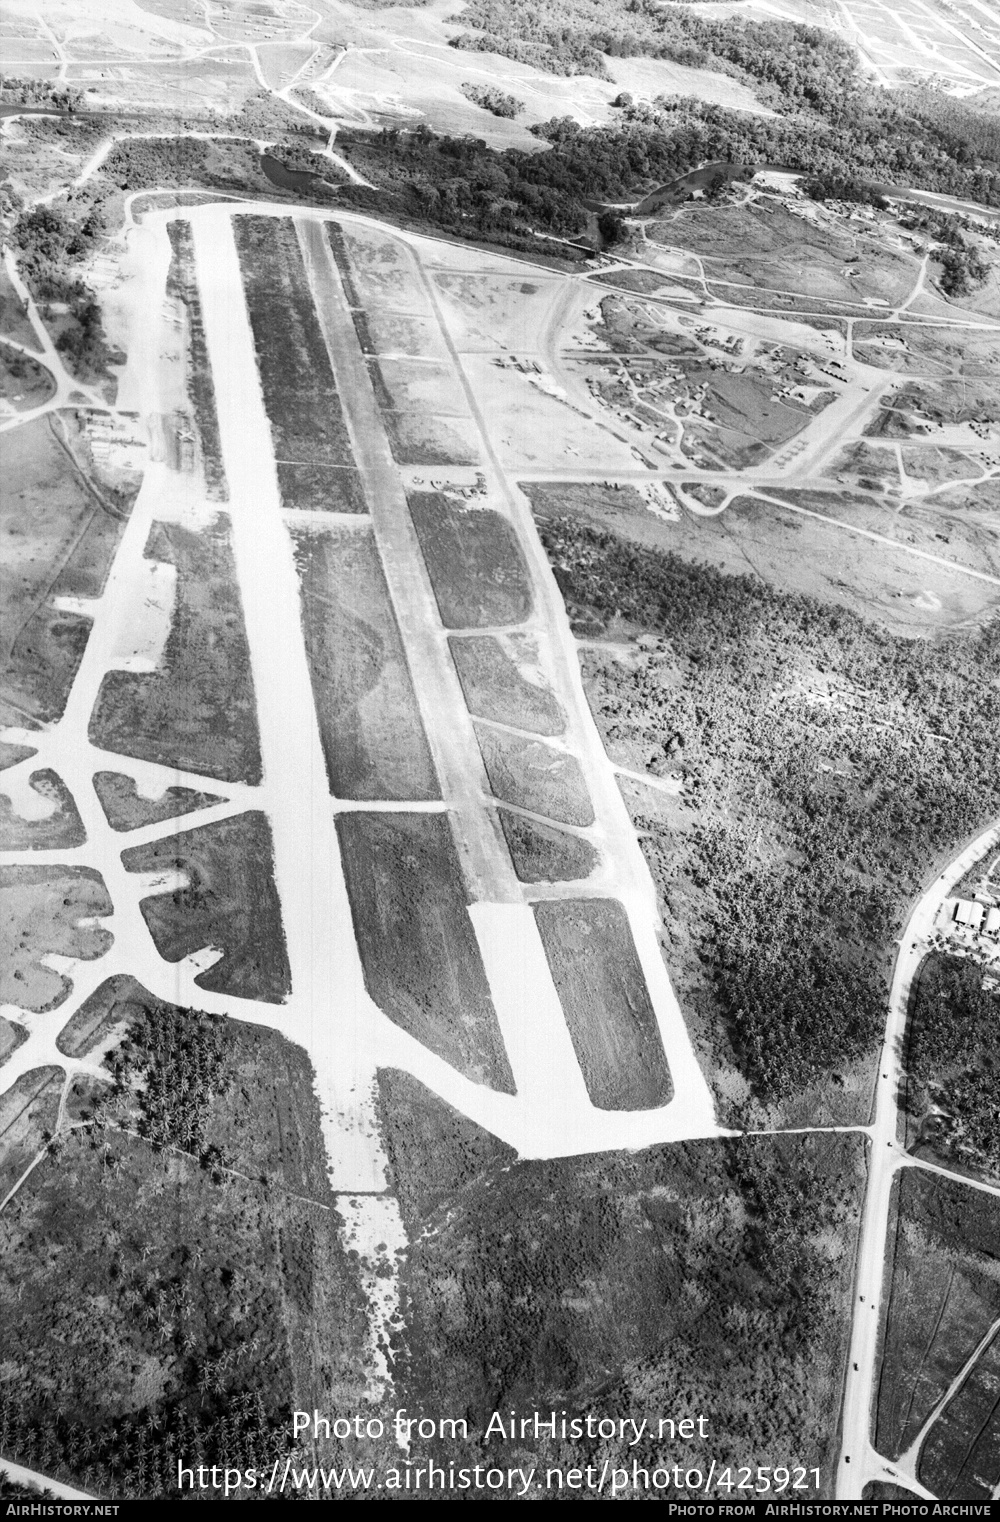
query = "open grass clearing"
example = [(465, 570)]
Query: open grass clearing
[(543, 855), (229, 903), (502, 680), (478, 572), (420, 956), (46, 909), (535, 776), (197, 711), (370, 726)]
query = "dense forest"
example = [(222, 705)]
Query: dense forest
[(910, 139), (812, 820), (953, 1057), (50, 246)]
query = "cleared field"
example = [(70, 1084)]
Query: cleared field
[(491, 669), (28, 1109), (410, 385), (230, 902), (127, 809), (419, 439), (477, 570), (490, 312), (198, 710), (589, 947), (300, 395), (182, 284), (961, 1457), (36, 830), (392, 334), (43, 910), (944, 1296), (55, 541), (543, 855), (534, 428), (421, 960), (111, 1004), (794, 554), (373, 739), (383, 272), (767, 245), (926, 350), (916, 524), (535, 776)]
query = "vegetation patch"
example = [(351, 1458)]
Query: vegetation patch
[(47, 910), (722, 1269), (492, 99), (167, 1298), (953, 1066), (197, 712), (543, 855), (419, 952), (24, 383), (28, 1114), (127, 809), (229, 902), (57, 541), (477, 570), (535, 776), (496, 688), (417, 439), (815, 800), (370, 727), (182, 284), (434, 1152), (300, 394), (944, 1297), (961, 1457), (602, 989), (62, 827), (321, 488)]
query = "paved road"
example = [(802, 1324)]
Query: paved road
[(859, 1461)]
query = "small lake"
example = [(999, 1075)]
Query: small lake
[(284, 178)]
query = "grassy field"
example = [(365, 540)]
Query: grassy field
[(56, 541), (230, 902), (28, 1112), (603, 993), (47, 909), (712, 1277), (373, 739), (474, 561), (23, 382), (961, 1457), (13, 317), (535, 776), (175, 1296), (384, 274), (541, 854), (198, 710), (813, 802), (63, 827), (407, 385), (419, 439), (300, 394), (495, 686), (945, 1294), (792, 554), (127, 809), (182, 284), (421, 960)]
